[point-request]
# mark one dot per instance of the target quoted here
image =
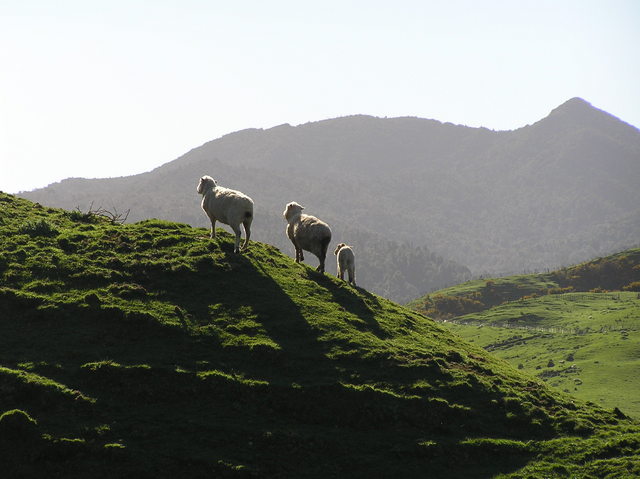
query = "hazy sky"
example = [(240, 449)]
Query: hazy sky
[(111, 88)]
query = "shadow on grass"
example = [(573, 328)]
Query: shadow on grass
[(171, 421), (229, 287), (356, 301)]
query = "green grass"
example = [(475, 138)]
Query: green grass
[(533, 321), (148, 350), (586, 344), (512, 286)]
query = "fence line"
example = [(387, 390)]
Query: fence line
[(541, 329), (576, 296)]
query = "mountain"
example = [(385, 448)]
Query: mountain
[(147, 350), (575, 328), (420, 200)]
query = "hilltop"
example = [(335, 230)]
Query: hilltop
[(148, 350), (575, 328), (425, 204), (616, 272)]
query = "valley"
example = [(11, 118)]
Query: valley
[(585, 344)]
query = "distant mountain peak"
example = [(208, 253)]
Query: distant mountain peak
[(578, 111), (577, 101), (575, 105)]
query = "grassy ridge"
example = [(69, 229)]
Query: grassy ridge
[(617, 272), (148, 350)]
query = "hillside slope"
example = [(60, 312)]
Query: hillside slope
[(585, 344), (616, 272), (557, 192), (147, 350), (576, 328)]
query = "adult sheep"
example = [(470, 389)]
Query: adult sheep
[(346, 262), (307, 233), (227, 206)]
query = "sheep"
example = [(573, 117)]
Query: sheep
[(227, 206), (346, 262), (307, 233)]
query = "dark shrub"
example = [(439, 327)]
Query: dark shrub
[(39, 227)]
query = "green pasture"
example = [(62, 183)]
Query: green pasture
[(585, 344)]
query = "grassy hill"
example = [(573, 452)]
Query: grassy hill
[(585, 344), (578, 329), (617, 272), (147, 350)]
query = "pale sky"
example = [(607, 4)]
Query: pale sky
[(113, 88)]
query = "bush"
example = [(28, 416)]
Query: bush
[(80, 217), (444, 307), (39, 227), (635, 286), (568, 289)]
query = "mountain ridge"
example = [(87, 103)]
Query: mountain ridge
[(538, 197), (577, 107)]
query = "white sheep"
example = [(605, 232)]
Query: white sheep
[(227, 206), (346, 262), (307, 233)]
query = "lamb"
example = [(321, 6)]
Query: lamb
[(346, 262), (307, 233), (227, 206)]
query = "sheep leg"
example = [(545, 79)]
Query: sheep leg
[(299, 255), (213, 229), (247, 233), (340, 273), (323, 254), (236, 230)]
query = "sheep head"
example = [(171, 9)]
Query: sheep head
[(206, 183), (293, 209), (341, 245)]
